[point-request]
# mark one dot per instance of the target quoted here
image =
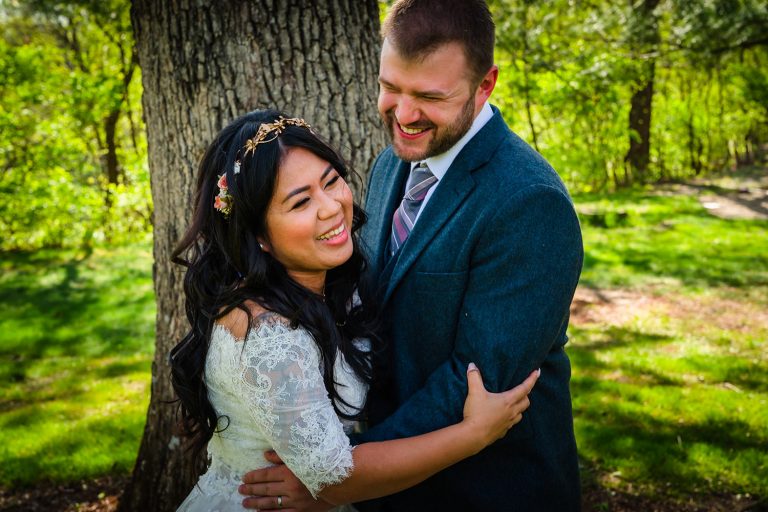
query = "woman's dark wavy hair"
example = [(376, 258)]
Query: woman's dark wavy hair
[(225, 268)]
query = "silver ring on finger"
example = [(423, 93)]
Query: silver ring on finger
[(279, 502)]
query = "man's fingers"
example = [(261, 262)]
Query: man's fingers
[(261, 489), (273, 457), (263, 503), (262, 475)]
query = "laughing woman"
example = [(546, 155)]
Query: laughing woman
[(280, 352)]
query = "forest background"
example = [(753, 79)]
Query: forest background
[(589, 84), (645, 108)]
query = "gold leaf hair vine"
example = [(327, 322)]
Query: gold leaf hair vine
[(267, 132), (270, 131)]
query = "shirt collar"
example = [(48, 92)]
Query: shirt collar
[(439, 164)]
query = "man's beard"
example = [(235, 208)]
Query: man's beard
[(444, 138)]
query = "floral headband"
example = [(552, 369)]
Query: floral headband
[(267, 132)]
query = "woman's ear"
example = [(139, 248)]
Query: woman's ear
[(263, 244)]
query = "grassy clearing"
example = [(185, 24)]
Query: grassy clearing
[(671, 372), (76, 340), (639, 238)]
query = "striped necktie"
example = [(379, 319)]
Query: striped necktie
[(419, 183)]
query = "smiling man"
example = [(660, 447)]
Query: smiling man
[(477, 251), (475, 248), (422, 104)]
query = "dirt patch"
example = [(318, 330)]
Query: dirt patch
[(618, 307), (99, 495), (733, 196), (599, 499)]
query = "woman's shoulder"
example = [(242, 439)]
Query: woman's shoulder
[(238, 320)]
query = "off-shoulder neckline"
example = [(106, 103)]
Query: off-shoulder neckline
[(267, 320)]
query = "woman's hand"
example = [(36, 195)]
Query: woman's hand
[(489, 416)]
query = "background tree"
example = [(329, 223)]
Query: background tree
[(202, 65), (573, 73), (73, 149), (643, 41)]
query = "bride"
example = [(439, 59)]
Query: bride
[(283, 342)]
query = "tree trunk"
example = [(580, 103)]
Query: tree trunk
[(638, 155), (203, 64), (109, 160), (526, 77), (644, 39), (111, 163)]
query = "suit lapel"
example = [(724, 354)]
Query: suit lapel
[(389, 182), (450, 193)]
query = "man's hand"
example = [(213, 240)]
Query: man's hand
[(277, 489)]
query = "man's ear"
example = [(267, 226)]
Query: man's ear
[(487, 84)]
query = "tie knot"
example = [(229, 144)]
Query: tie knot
[(419, 183)]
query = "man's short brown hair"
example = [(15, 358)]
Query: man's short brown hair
[(418, 27)]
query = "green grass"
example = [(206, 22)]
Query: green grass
[(76, 342), (670, 386), (640, 238)]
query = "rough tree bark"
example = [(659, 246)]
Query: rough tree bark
[(203, 64)]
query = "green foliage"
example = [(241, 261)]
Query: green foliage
[(66, 74), (76, 343), (569, 69)]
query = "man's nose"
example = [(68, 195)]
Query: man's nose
[(407, 112)]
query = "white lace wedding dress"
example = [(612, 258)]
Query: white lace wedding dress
[(270, 394)]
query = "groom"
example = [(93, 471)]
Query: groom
[(476, 249)]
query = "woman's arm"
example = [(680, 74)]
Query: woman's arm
[(387, 467), (390, 466)]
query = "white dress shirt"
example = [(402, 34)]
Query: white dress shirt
[(439, 164)]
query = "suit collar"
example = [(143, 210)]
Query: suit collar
[(440, 164), (450, 193)]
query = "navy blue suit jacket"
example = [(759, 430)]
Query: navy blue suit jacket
[(486, 276)]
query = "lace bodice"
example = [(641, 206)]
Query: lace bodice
[(269, 393)]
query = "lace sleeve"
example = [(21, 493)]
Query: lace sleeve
[(285, 394)]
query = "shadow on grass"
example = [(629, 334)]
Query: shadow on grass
[(72, 386), (72, 315), (731, 369), (745, 375), (625, 384), (584, 356), (656, 451), (94, 447), (616, 338)]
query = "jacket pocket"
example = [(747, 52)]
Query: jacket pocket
[(440, 283)]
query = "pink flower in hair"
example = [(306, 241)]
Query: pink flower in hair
[(223, 201)]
